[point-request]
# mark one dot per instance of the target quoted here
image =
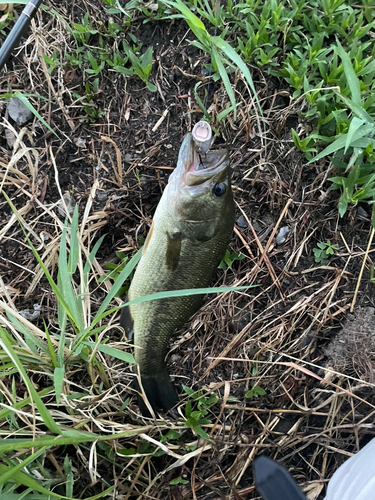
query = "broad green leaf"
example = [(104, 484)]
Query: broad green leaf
[(124, 71), (296, 139), (147, 57), (356, 108), (351, 77), (343, 205), (337, 180), (355, 124), (151, 87), (195, 24), (201, 432)]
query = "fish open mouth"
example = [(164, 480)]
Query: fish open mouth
[(204, 166), (196, 169), (194, 185)]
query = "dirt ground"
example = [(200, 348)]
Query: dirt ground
[(289, 336)]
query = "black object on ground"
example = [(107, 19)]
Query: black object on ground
[(273, 482), (18, 30)]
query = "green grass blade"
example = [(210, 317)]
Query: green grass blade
[(58, 380), (189, 291), (60, 349), (332, 148), (61, 311), (357, 109), (54, 287), (224, 76), (111, 351), (90, 260), (74, 245), (21, 404), (101, 495), (200, 102), (236, 59), (44, 413), (51, 349), (356, 142), (176, 293), (67, 290), (26, 480), (29, 106), (68, 437), (125, 273), (223, 114), (32, 342), (13, 471)]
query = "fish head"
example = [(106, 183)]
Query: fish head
[(200, 198)]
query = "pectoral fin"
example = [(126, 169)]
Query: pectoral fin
[(173, 250), (126, 321)]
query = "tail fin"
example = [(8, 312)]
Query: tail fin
[(159, 391)]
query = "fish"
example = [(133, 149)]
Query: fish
[(189, 235)]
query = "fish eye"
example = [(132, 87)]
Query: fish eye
[(219, 189)]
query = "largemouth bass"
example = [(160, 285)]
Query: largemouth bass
[(189, 235)]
